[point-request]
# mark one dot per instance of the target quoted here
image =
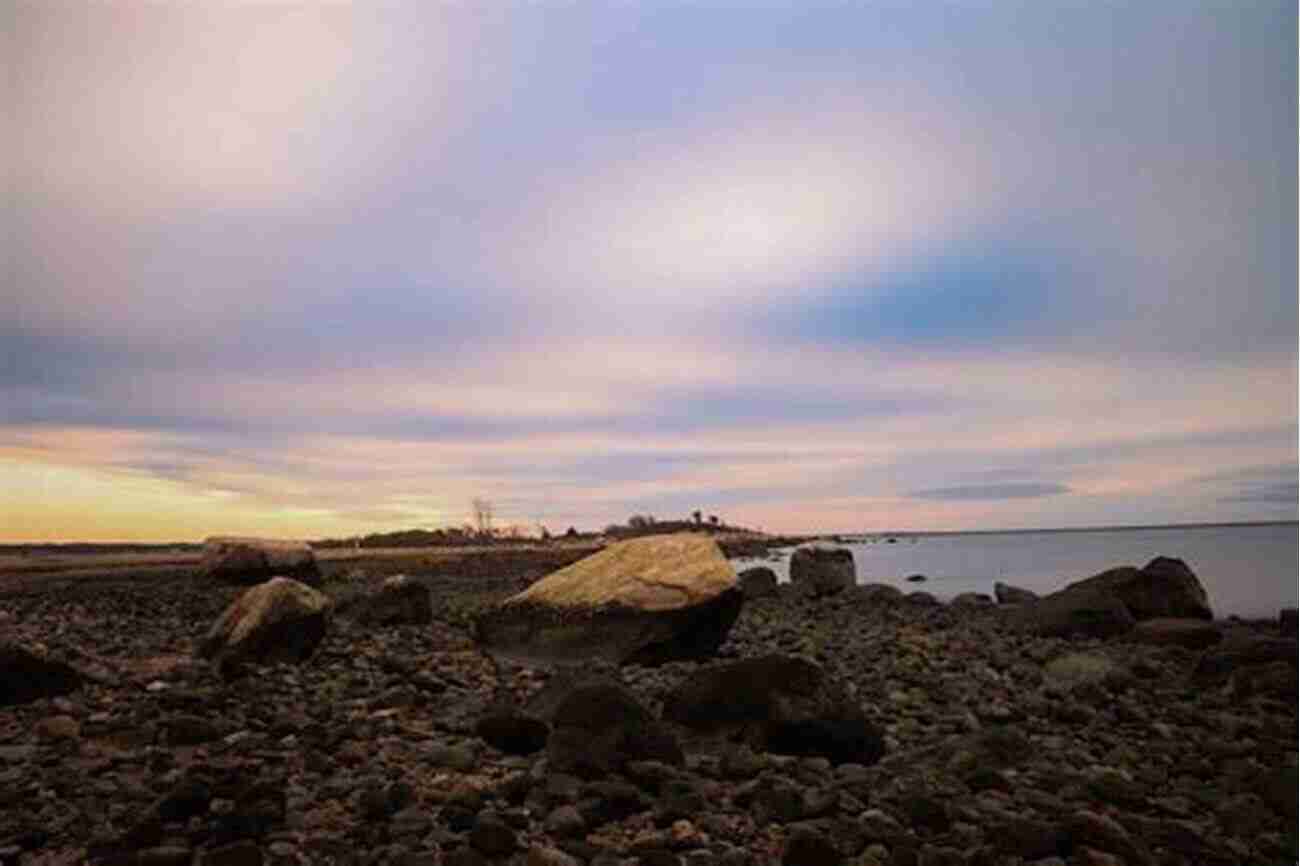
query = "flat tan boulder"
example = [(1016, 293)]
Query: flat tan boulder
[(247, 561), (281, 620), (646, 601)]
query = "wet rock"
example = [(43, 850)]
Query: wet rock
[(916, 578), (281, 620), (26, 676), (759, 582), (821, 570), (248, 561), (645, 601)]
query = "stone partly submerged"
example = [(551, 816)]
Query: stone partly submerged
[(820, 570), (1112, 602), (645, 601), (281, 620), (248, 561)]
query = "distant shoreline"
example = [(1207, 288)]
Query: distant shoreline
[(197, 546), (916, 533)]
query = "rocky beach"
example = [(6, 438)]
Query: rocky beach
[(975, 732)]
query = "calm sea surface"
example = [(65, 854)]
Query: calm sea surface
[(1249, 571)]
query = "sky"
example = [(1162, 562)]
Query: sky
[(322, 269)]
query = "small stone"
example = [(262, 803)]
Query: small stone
[(243, 853), (565, 821), (807, 846), (539, 855), (58, 728)]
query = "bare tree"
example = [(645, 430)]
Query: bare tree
[(482, 515)]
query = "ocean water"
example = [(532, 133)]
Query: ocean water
[(1247, 570)]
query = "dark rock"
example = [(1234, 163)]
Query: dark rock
[(1164, 587), (872, 594), (281, 620), (242, 853), (922, 599), (808, 846), (1288, 620), (599, 728), (26, 676), (820, 570), (1093, 830), (513, 732), (971, 600), (1240, 652), (188, 730), (565, 821), (916, 578), (645, 601), (1030, 838), (399, 600), (608, 800), (775, 700), (492, 836), (1086, 612), (1188, 633), (843, 741), (759, 582), (1007, 594), (248, 561), (189, 798)]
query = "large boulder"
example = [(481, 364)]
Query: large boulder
[(1110, 603), (248, 561), (399, 600), (27, 676), (821, 570), (1163, 588), (281, 620), (644, 601), (778, 703), (599, 727)]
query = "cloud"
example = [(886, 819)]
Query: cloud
[(591, 261), (1025, 490)]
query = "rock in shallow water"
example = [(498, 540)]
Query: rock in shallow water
[(822, 570)]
